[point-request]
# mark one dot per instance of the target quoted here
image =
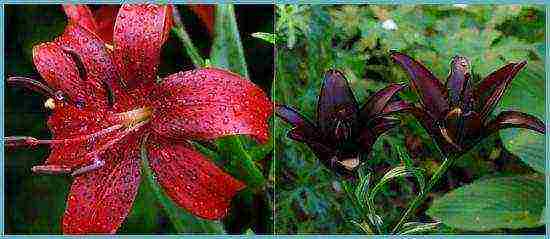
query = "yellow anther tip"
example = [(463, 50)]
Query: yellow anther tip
[(50, 103)]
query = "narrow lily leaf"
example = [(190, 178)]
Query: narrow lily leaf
[(268, 37), (363, 226), (504, 202), (183, 221), (399, 171), (418, 227), (362, 188), (227, 50), (181, 33)]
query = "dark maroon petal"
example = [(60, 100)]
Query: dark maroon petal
[(488, 93), (373, 130), (191, 180), (397, 107), (458, 80), (209, 103), (336, 102), (378, 101), (515, 119), (432, 93), (100, 200), (291, 116), (140, 31)]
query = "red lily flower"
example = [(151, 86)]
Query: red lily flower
[(342, 130), (105, 101), (457, 115)]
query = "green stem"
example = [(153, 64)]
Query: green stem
[(241, 162), (422, 196), (179, 30)]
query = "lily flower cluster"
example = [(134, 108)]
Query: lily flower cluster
[(456, 115), (106, 99)]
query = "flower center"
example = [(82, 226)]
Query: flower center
[(133, 117)]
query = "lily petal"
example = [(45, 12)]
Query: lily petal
[(80, 15), (432, 93), (105, 18), (61, 72), (336, 102), (206, 13), (191, 180), (140, 32), (100, 200), (397, 107), (515, 119), (372, 131), (209, 103), (378, 101), (100, 71), (488, 93), (303, 128), (69, 122), (458, 80)]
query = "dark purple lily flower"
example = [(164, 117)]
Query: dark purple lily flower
[(343, 130), (457, 114)]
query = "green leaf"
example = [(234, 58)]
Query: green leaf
[(183, 221), (227, 50), (397, 172), (503, 202), (527, 145), (417, 227), (268, 37)]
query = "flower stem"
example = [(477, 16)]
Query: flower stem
[(179, 30), (422, 196)]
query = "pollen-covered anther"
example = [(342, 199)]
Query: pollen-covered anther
[(49, 104)]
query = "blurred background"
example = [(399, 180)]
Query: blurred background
[(356, 39), (35, 203)]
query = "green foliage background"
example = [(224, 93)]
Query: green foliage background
[(314, 38), (35, 203)]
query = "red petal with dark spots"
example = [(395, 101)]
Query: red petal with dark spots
[(68, 122), (432, 93), (139, 33), (488, 93), (100, 71), (378, 101), (81, 15), (105, 18), (61, 72), (209, 103), (191, 180), (206, 13), (100, 200), (515, 119), (336, 102)]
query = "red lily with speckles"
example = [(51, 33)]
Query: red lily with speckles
[(457, 114), (106, 98)]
